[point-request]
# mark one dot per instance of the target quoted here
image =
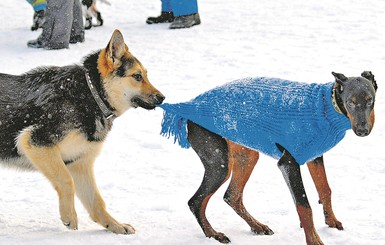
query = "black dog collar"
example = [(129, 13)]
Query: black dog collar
[(337, 102), (107, 112)]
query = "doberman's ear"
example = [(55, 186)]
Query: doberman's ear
[(369, 75), (340, 78)]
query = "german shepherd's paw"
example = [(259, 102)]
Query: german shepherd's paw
[(70, 222), (119, 228)]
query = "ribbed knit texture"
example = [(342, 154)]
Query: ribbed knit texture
[(261, 112)]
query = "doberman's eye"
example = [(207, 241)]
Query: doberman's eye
[(350, 104), (369, 102), (138, 77)]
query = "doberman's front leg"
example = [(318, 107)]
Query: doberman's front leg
[(292, 174), (317, 172)]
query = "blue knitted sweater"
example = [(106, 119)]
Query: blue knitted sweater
[(261, 112)]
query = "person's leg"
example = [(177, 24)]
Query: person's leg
[(186, 13), (77, 30), (184, 7), (166, 16), (57, 26), (38, 16), (166, 6)]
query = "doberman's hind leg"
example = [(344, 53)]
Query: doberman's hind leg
[(243, 160), (292, 174), (213, 152), (318, 173)]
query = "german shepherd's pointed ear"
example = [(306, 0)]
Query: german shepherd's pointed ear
[(116, 47), (369, 75), (340, 79)]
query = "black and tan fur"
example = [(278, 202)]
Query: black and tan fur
[(221, 158), (50, 122)]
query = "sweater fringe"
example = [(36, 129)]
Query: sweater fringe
[(175, 125)]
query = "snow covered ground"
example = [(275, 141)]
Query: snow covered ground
[(146, 180)]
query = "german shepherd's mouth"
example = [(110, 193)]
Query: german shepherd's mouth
[(136, 101)]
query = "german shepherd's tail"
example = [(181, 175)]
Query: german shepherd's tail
[(174, 124)]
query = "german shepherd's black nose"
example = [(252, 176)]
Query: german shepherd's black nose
[(158, 98)]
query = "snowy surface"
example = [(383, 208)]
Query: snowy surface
[(146, 181)]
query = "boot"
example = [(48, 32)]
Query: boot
[(165, 17), (185, 21)]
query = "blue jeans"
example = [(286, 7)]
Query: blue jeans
[(180, 7)]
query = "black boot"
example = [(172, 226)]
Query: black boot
[(79, 38), (164, 17), (185, 21)]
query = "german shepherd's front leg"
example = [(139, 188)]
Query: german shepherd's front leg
[(318, 173), (82, 172), (292, 174), (48, 161)]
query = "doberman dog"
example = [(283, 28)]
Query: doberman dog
[(354, 97)]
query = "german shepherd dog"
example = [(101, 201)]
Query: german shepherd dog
[(55, 119), (351, 101)]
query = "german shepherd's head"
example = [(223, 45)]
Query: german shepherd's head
[(125, 78)]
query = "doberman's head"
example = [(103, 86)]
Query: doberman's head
[(355, 96)]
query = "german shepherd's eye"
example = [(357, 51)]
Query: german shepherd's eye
[(138, 77)]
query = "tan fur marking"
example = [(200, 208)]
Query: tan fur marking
[(352, 120), (318, 174), (48, 161), (87, 191), (75, 138), (105, 66), (243, 160), (372, 119), (306, 218)]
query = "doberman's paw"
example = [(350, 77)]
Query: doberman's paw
[(220, 237), (312, 238), (262, 230), (314, 242), (334, 223)]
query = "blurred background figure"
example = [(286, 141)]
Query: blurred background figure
[(63, 25), (180, 13), (38, 16)]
